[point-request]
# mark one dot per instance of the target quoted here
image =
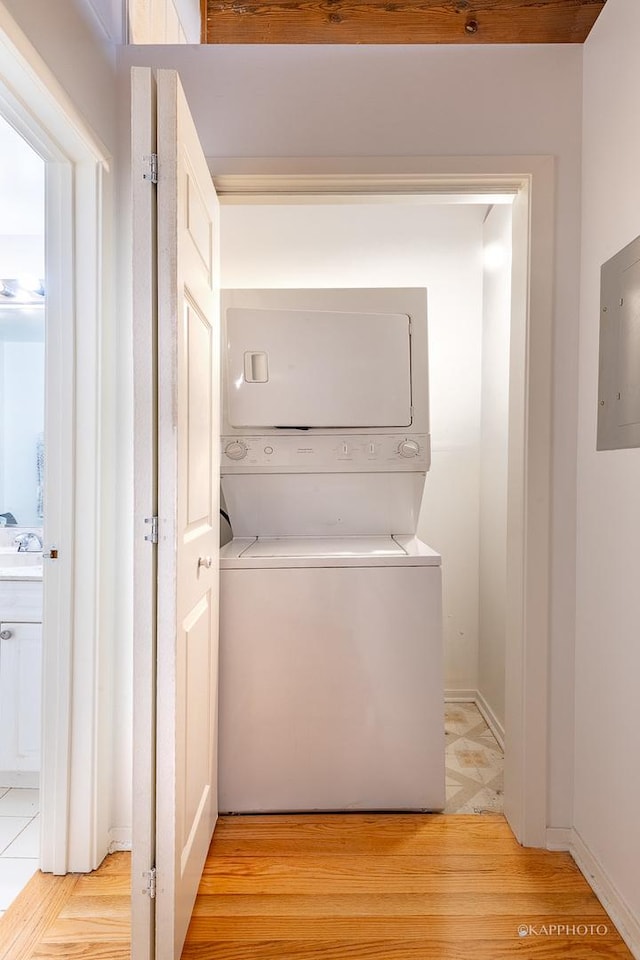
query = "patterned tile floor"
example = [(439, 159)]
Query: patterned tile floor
[(474, 762)]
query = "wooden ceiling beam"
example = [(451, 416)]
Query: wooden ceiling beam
[(399, 21)]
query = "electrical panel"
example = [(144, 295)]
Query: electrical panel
[(619, 375)]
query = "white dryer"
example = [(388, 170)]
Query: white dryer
[(331, 680)]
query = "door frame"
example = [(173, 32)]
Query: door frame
[(76, 747), (144, 297), (531, 182)]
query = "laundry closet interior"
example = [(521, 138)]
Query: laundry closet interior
[(458, 250)]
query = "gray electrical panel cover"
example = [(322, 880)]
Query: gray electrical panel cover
[(619, 378)]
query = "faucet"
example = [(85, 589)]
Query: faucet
[(24, 542)]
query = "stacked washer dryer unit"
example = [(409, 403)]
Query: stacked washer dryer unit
[(331, 683)]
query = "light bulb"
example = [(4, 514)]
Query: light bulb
[(494, 256)]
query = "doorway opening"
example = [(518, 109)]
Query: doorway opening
[(75, 749), (461, 253), (22, 499), (377, 183)]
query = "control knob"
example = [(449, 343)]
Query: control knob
[(236, 450), (409, 448)]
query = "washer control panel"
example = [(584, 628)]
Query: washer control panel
[(331, 454)]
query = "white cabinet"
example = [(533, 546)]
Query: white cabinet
[(20, 696)]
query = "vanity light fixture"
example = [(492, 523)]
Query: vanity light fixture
[(23, 289), (31, 285)]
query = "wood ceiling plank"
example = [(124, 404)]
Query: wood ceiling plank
[(400, 21)]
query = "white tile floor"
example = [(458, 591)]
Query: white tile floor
[(19, 841)]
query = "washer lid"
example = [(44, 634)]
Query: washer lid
[(324, 547), (284, 553)]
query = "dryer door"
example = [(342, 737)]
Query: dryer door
[(307, 368)]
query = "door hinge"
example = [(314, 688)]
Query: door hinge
[(152, 536), (150, 169), (150, 888)]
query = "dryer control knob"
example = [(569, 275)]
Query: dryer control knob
[(236, 450), (409, 448)]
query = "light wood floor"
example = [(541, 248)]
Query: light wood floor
[(337, 888)]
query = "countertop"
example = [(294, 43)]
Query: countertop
[(26, 572)]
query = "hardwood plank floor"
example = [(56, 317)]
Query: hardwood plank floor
[(353, 887), (31, 913), (397, 887), (77, 917)]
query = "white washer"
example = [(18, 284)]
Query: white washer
[(331, 675)]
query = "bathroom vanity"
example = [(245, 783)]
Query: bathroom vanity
[(20, 672)]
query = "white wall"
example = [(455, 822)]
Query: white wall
[(384, 245), (607, 771), (256, 101), (67, 36), (496, 324), (21, 255)]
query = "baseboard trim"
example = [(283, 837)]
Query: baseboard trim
[(119, 839), (460, 696), (492, 721), (474, 696), (558, 838), (607, 893)]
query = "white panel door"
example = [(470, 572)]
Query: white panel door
[(188, 505)]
